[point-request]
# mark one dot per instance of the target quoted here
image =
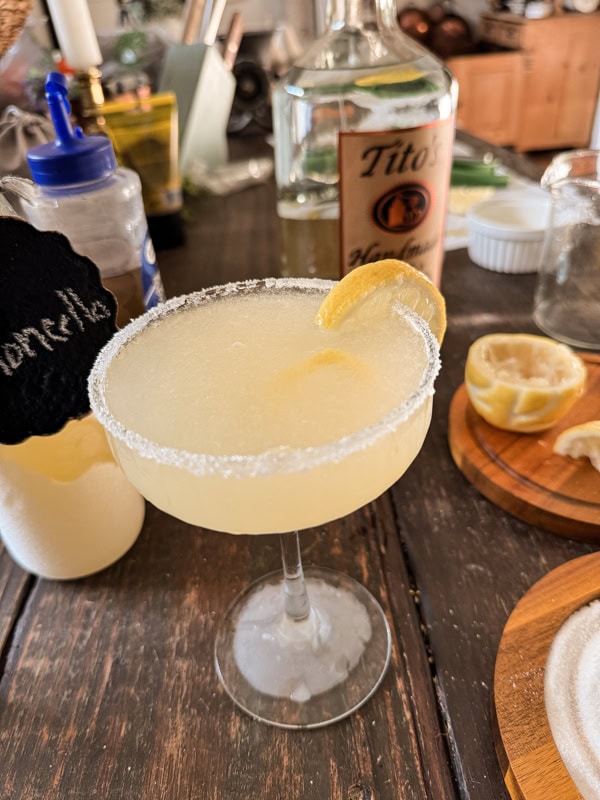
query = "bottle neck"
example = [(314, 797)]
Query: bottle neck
[(88, 106), (362, 13), (81, 187)]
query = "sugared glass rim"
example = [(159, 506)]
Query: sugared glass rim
[(278, 460)]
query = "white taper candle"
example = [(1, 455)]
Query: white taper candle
[(75, 33)]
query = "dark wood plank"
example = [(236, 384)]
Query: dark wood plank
[(14, 586), (112, 691), (228, 239), (472, 561)]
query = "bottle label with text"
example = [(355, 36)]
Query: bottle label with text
[(152, 286), (393, 195)]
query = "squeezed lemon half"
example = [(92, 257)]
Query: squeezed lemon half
[(581, 441), (521, 382), (370, 290)]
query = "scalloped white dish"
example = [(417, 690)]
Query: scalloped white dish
[(506, 234)]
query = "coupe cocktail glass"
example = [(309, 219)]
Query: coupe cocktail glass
[(230, 409)]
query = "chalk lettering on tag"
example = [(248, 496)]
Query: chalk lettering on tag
[(15, 352), (55, 316)]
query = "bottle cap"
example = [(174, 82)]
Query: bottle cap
[(71, 158)]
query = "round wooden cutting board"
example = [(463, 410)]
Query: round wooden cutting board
[(532, 766), (521, 474)]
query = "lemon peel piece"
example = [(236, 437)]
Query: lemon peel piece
[(522, 382), (372, 289), (324, 359), (580, 441), (396, 75)]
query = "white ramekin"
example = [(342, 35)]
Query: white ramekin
[(506, 234)]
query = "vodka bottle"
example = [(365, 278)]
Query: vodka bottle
[(364, 127)]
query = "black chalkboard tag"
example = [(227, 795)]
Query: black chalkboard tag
[(55, 316)]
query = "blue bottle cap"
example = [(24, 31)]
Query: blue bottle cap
[(71, 158)]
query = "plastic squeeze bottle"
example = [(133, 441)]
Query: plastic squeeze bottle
[(79, 190)]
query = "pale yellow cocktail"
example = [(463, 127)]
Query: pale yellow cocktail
[(257, 421), (232, 409)]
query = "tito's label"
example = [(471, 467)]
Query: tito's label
[(393, 195)]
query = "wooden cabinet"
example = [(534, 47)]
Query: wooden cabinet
[(541, 94), (488, 86)]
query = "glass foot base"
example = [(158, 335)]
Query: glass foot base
[(307, 673)]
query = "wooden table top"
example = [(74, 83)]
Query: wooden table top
[(107, 684)]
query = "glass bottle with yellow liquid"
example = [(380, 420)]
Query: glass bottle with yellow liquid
[(364, 126)]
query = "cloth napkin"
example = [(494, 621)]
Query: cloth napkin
[(19, 132)]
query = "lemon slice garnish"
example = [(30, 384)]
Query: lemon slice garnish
[(396, 75), (523, 383), (581, 441), (370, 291)]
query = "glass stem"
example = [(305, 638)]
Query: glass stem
[(297, 605)]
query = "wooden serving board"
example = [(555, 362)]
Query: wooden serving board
[(521, 474), (532, 766)]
